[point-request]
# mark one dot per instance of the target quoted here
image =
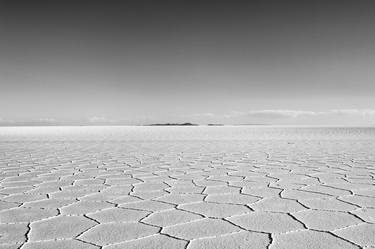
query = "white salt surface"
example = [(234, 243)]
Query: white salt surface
[(140, 133), (187, 187)]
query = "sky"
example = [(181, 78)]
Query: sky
[(232, 62)]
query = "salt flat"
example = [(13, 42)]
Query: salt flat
[(187, 187)]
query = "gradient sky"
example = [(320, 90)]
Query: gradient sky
[(133, 62)]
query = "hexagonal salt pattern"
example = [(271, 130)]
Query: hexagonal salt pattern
[(115, 194)]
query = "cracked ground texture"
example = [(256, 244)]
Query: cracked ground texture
[(187, 187)]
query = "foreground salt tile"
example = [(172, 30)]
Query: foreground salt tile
[(10, 246), (261, 191), (148, 205), (349, 186), (191, 176), (117, 190), (362, 201), (328, 204), (370, 192), (170, 217), (232, 198), (13, 233), (277, 204), (109, 233), (326, 189), (99, 197), (145, 187), (43, 190), (89, 189), (22, 198), (201, 228), (206, 183), (301, 194), (310, 239), (49, 203), (60, 227), (118, 215), (267, 222), (125, 199), (152, 242), (221, 190), (7, 205), (363, 234), (58, 184), (186, 190), (248, 184), (326, 220), (367, 214), (122, 182), (225, 178), (86, 182), (149, 195), (15, 190), (181, 198), (20, 183), (238, 240), (25, 214), (180, 183), (71, 194), (59, 244), (83, 207), (216, 210)]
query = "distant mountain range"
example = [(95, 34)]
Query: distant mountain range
[(173, 124)]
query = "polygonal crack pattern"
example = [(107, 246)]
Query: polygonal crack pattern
[(187, 194)]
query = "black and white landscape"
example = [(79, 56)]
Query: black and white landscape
[(187, 124)]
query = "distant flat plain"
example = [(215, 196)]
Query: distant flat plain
[(115, 187)]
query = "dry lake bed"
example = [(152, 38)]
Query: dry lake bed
[(187, 187)]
